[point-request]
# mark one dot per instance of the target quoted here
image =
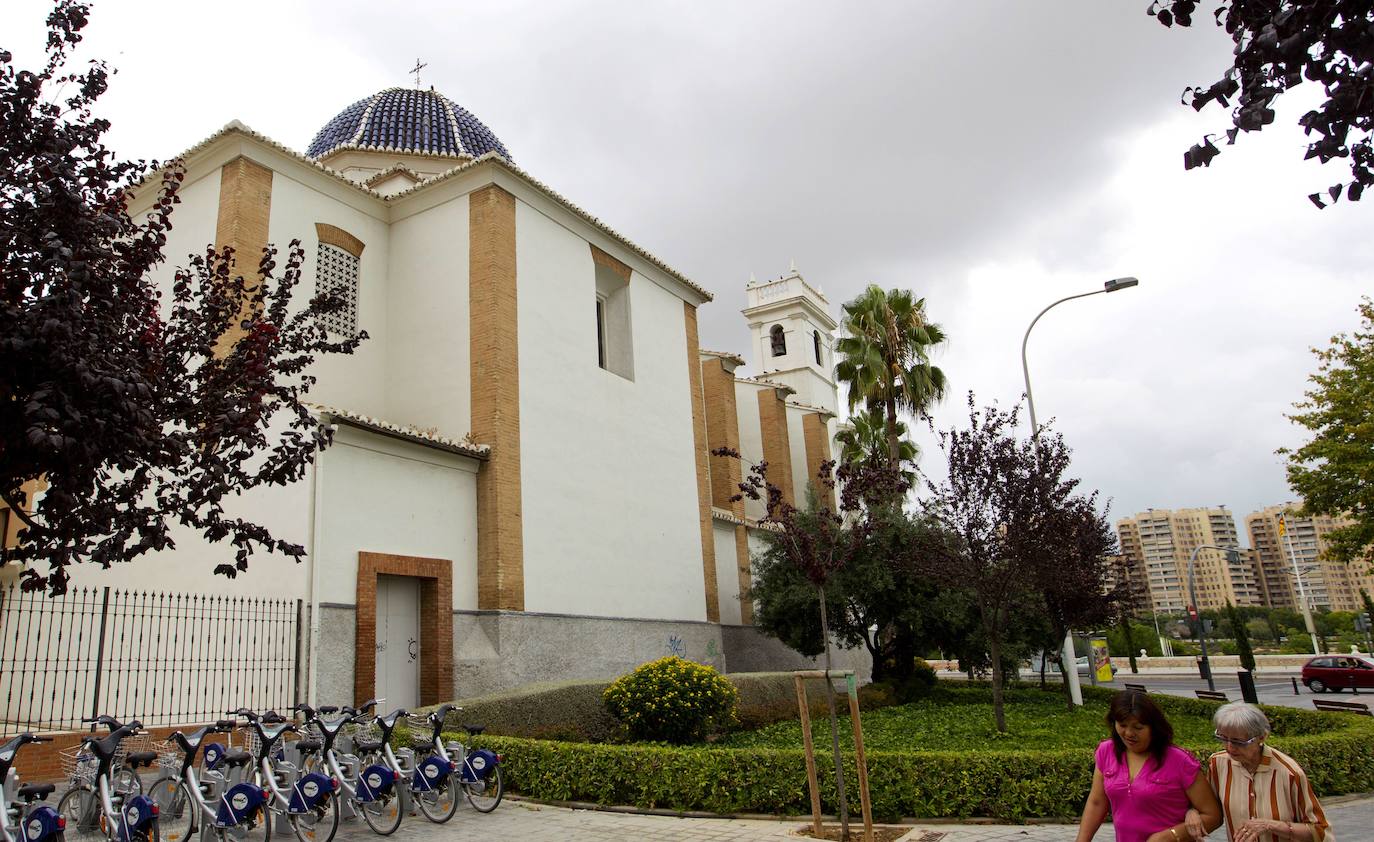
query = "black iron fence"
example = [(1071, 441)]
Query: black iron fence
[(163, 658)]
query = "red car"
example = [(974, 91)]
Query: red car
[(1337, 672)]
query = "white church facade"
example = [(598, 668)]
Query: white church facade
[(521, 487)]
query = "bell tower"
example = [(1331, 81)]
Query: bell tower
[(793, 337)]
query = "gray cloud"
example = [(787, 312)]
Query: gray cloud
[(990, 156)]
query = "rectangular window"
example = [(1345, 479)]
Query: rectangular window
[(614, 348), (601, 331)]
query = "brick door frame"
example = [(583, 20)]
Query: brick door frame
[(436, 623)]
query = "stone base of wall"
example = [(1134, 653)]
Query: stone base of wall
[(500, 650), (337, 655), (749, 650)]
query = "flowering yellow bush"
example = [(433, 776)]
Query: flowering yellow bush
[(672, 700)]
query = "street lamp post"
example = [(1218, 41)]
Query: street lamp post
[(1302, 592), (1192, 597), (1067, 657)]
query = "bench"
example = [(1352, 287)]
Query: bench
[(1359, 708), (1139, 688), (1211, 695)]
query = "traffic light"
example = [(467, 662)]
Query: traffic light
[(1192, 613), (1362, 622)]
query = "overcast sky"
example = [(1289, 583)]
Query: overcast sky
[(990, 156)]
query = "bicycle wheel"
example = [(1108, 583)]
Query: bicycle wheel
[(438, 804), (177, 810), (382, 815), (319, 824), (485, 795), (258, 824), (125, 782), (149, 833), (80, 807)]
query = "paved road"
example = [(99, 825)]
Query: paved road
[(1351, 819), (1274, 687)]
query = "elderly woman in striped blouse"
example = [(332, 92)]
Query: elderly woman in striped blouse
[(1265, 795)]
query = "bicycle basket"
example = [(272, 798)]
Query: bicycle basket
[(364, 731), (169, 754), (78, 764)]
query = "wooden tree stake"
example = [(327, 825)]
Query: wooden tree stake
[(810, 755)]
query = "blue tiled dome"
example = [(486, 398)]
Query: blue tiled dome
[(408, 120)]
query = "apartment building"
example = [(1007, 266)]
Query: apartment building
[(1327, 583), (1162, 541)]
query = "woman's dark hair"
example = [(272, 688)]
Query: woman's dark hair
[(1132, 704)]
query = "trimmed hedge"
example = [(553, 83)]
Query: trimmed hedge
[(1337, 751), (573, 711), (553, 710)]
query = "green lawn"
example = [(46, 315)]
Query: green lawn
[(960, 719)]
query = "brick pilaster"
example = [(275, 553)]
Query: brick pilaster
[(699, 441), (816, 436), (495, 378), (245, 208), (777, 446)]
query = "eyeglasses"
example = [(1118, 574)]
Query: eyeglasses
[(1233, 741)]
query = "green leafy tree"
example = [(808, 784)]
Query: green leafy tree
[(820, 540), (996, 507), (1120, 642), (1332, 472), (1242, 636), (884, 358), (1258, 629), (877, 600), (1281, 44)]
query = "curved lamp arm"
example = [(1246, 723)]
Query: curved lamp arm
[(1110, 286)]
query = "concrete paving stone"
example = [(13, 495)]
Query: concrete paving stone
[(1351, 818)]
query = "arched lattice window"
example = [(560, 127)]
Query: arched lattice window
[(336, 273), (779, 341), (816, 338)]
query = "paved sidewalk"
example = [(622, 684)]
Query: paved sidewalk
[(1351, 819)]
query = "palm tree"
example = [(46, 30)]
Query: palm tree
[(864, 438), (885, 357)]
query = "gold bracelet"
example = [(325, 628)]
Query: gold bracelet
[(1174, 831)]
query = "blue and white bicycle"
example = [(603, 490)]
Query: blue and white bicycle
[(218, 807), (451, 766), (96, 811), (29, 821)]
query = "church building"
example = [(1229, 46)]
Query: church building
[(521, 486)]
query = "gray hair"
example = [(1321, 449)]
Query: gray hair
[(1242, 716)]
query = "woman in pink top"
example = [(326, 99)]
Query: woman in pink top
[(1148, 782)]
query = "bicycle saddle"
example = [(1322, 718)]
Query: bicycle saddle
[(36, 792), (237, 757), (475, 730), (368, 746), (141, 758)]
